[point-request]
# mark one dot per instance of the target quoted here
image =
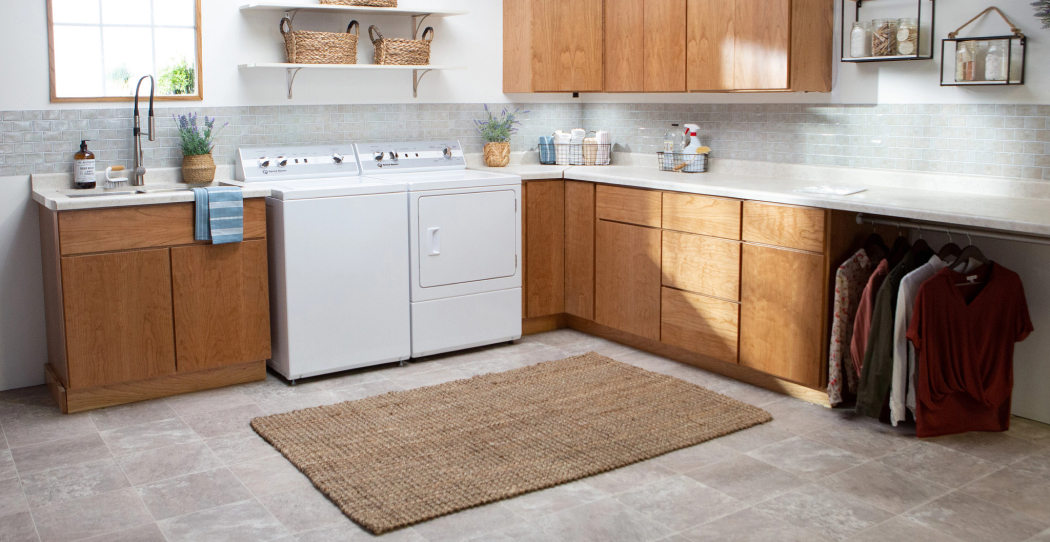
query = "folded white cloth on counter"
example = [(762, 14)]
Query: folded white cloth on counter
[(604, 140), (561, 148), (576, 146), (590, 151)]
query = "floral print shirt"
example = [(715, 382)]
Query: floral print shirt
[(850, 280)]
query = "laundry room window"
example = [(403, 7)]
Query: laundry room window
[(100, 48)]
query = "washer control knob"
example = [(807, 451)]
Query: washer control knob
[(282, 161), (447, 153), (264, 162), (337, 158), (378, 156), (392, 155)]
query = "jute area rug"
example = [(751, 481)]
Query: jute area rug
[(392, 460)]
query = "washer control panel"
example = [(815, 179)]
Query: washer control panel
[(410, 156), (256, 164)]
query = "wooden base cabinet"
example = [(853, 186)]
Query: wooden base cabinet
[(627, 278), (782, 313), (152, 313)]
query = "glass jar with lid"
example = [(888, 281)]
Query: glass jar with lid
[(884, 37), (996, 65), (965, 61), (860, 40), (908, 36)]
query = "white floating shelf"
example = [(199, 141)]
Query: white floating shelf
[(303, 6), (293, 69)]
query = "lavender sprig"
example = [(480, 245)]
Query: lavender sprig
[(196, 140), (498, 130)]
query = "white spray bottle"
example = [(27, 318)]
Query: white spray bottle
[(694, 142), (693, 162)]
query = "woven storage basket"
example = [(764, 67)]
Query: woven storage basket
[(400, 52), (305, 47), (371, 3), (198, 169)]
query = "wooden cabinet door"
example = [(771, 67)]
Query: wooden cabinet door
[(222, 307), (782, 313), (545, 241), (118, 317), (624, 45), (762, 42), (665, 43), (700, 324), (567, 46), (579, 249), (627, 278), (710, 45)]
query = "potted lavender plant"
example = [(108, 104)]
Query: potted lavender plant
[(198, 166), (497, 131)]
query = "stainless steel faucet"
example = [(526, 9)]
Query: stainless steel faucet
[(138, 171)]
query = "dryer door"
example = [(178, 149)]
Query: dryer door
[(467, 237)]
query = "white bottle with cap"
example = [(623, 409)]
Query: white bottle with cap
[(692, 164)]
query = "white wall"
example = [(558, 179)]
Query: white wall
[(475, 41)]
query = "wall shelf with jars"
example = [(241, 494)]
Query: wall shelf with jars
[(984, 60), (888, 37)]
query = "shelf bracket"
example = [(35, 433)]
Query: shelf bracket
[(291, 73), (417, 22), (291, 13), (416, 78)]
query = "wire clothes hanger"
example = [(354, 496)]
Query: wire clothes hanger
[(949, 253)]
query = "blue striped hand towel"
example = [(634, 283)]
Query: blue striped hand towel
[(219, 214)]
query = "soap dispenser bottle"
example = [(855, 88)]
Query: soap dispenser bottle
[(84, 167)]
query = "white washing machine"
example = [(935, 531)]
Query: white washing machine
[(464, 244), (338, 251)]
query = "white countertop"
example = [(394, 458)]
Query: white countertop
[(992, 203), (53, 191)]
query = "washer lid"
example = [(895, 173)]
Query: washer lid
[(332, 187), (443, 180)]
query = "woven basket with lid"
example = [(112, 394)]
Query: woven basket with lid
[(370, 3), (401, 52), (305, 47)]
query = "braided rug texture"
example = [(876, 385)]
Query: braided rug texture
[(393, 460)]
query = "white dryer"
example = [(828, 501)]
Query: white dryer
[(464, 244), (338, 248)]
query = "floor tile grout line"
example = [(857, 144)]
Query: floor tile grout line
[(959, 489)]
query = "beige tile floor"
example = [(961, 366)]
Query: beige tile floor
[(189, 468)]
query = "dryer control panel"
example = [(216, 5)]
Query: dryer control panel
[(410, 156), (255, 164)]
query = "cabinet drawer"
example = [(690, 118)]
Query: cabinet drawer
[(787, 226), (142, 226), (630, 205), (717, 217), (700, 324), (706, 265)]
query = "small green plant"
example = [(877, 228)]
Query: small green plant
[(121, 75), (177, 78), (196, 140), (498, 129)]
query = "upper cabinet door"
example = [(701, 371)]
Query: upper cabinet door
[(624, 45), (762, 41), (710, 45), (665, 41), (567, 45)]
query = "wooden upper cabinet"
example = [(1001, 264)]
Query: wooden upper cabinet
[(118, 317), (553, 46), (645, 45), (222, 307), (627, 278), (761, 42), (759, 45), (710, 45)]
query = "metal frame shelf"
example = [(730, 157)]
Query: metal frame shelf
[(844, 32)]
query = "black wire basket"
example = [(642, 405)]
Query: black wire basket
[(680, 161)]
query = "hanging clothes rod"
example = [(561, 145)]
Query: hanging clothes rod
[(949, 229)]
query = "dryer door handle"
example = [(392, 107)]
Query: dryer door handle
[(434, 241)]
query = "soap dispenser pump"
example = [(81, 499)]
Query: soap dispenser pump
[(84, 167)]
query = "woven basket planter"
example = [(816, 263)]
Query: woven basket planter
[(497, 154), (369, 3), (400, 52), (305, 47), (198, 169)]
